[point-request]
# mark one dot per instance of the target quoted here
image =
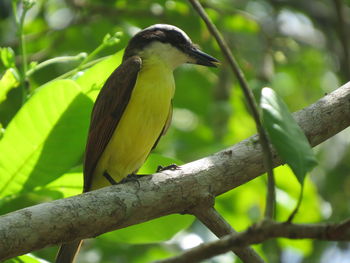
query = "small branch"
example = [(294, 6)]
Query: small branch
[(26, 5), (270, 199), (262, 232), (63, 59), (220, 227), (108, 40), (343, 34), (85, 66), (22, 42), (87, 61), (296, 209)]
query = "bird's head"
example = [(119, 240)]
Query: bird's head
[(169, 45)]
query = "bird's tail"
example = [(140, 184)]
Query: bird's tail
[(68, 252)]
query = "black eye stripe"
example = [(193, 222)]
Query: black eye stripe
[(163, 34), (178, 37)]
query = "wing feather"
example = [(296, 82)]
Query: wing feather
[(107, 112)]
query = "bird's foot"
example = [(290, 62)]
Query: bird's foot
[(109, 178), (132, 178), (129, 178), (171, 167)]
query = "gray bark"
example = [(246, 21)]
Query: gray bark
[(114, 207)]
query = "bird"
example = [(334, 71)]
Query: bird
[(134, 109)]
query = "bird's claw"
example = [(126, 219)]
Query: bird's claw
[(171, 167)]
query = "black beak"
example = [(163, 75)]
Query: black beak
[(201, 58)]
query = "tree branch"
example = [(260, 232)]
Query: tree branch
[(218, 225), (114, 207), (262, 232)]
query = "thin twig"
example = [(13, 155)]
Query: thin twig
[(19, 19), (343, 34), (85, 66), (107, 41), (220, 227), (262, 232), (63, 59), (296, 209), (270, 200)]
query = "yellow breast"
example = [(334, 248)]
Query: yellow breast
[(140, 126)]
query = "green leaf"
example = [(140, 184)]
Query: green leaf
[(92, 79), (8, 82), (7, 57), (285, 134), (25, 259), (69, 184), (2, 131), (45, 139)]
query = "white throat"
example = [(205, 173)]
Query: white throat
[(164, 54)]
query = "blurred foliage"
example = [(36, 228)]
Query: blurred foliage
[(292, 46)]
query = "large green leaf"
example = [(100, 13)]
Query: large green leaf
[(45, 139), (25, 259), (93, 78), (69, 184), (286, 135)]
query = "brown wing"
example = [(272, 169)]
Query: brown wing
[(107, 111)]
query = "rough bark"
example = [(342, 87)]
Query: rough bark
[(118, 206)]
